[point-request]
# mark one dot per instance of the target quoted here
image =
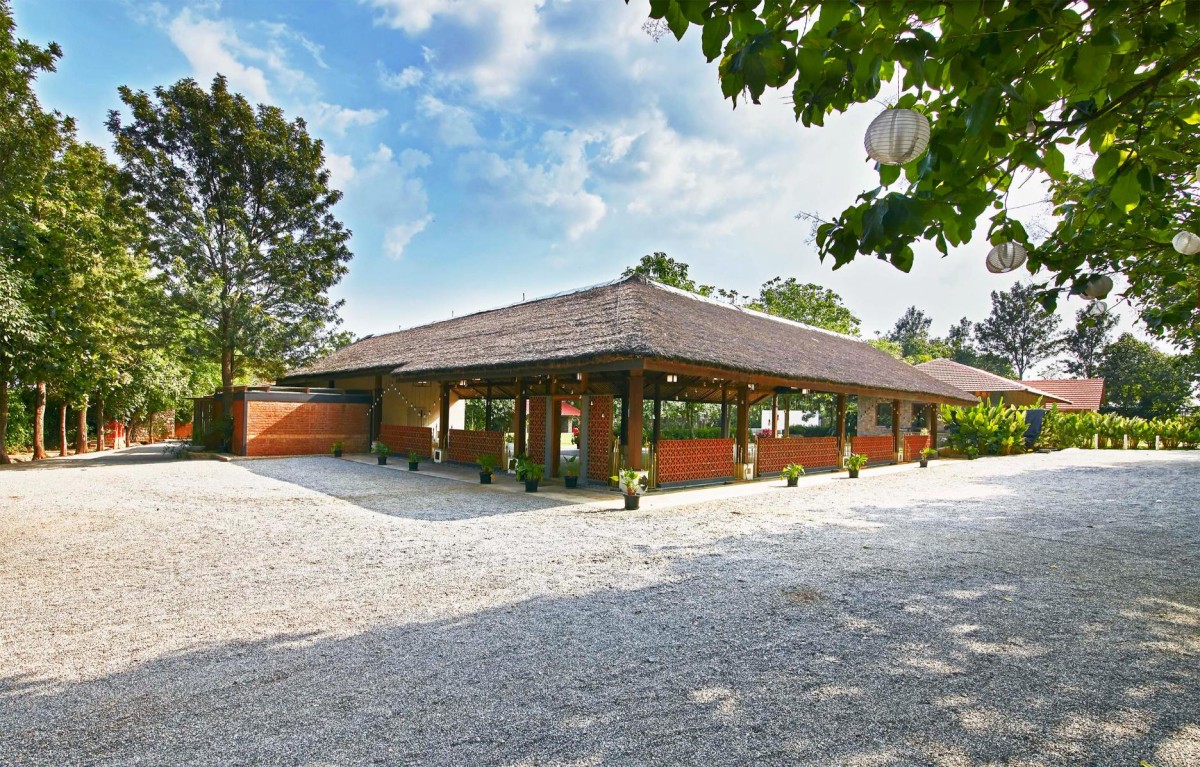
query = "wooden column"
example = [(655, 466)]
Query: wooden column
[(553, 435), (724, 411), (377, 409), (444, 418), (841, 427), (787, 416), (743, 427), (774, 414), (933, 425), (633, 433), (519, 405), (487, 408), (657, 414), (897, 443)]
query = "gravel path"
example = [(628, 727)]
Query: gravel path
[(1034, 610)]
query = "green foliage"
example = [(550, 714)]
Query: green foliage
[(1085, 343), (1142, 381), (532, 472), (631, 481), (1019, 330), (911, 332), (413, 457), (983, 428), (856, 461), (808, 303), (1007, 88), (337, 446), (1108, 430), (19, 435), (792, 471), (239, 219), (488, 462), (379, 448), (928, 452), (570, 466)]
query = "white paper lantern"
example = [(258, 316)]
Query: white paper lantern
[(1186, 243), (897, 136), (1098, 287), (1005, 257), (1096, 308)]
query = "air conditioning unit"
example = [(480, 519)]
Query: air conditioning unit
[(437, 455)]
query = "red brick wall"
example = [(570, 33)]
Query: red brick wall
[(811, 452), (535, 446), (688, 460), (877, 449), (239, 420), (599, 438), (301, 428), (913, 445), (403, 439), (467, 446)]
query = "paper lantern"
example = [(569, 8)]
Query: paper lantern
[(897, 136), (1005, 257), (1096, 308), (1186, 243), (1098, 287)]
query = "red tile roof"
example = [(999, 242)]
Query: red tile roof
[(974, 380), (1083, 393)]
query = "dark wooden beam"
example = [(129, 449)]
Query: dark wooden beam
[(519, 419), (841, 427), (897, 443), (633, 447)]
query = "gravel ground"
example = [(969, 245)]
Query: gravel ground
[(1034, 610)]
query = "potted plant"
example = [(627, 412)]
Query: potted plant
[(971, 452), (414, 460), (571, 471), (854, 463), (519, 462), (926, 454), (632, 484), (532, 472), (336, 449), (487, 464), (381, 452), (792, 472)]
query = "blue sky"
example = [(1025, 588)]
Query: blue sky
[(493, 148)]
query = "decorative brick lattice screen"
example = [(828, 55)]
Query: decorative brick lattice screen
[(913, 445), (811, 452), (876, 449), (402, 439), (599, 438), (304, 428), (535, 446), (692, 460), (467, 446)]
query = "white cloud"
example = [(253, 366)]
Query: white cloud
[(212, 47), (388, 190), (397, 237), (338, 118), (406, 78), (455, 124)]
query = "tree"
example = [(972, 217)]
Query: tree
[(1007, 87), (240, 221), (660, 267), (808, 303), (1085, 343), (1019, 330), (911, 331), (1142, 381)]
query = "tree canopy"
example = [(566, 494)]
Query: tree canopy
[(1084, 344), (1010, 90), (1140, 380), (1019, 329)]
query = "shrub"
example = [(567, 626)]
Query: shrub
[(985, 429)]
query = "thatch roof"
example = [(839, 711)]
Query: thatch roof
[(974, 380), (630, 318)]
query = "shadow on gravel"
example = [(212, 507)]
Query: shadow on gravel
[(96, 460), (411, 495)]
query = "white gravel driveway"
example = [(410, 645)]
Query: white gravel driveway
[(1034, 610)]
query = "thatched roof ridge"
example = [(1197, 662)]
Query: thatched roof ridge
[(631, 318)]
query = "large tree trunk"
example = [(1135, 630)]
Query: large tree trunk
[(4, 370), (81, 439), (227, 383), (62, 429), (39, 422), (100, 425)]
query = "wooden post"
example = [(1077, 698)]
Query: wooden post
[(633, 435), (841, 427), (657, 414), (743, 428), (519, 420), (787, 416), (774, 414), (933, 425), (487, 408), (444, 419), (724, 411), (553, 434), (897, 444), (376, 410)]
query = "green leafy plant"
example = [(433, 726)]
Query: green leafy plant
[(532, 472), (928, 452), (379, 448), (336, 447), (413, 457), (792, 471), (989, 429), (571, 466), (856, 461), (487, 463), (631, 481)]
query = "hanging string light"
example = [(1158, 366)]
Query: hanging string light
[(1098, 286), (1186, 243), (1096, 308), (1005, 257), (897, 136)]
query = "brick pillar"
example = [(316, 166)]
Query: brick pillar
[(535, 447), (599, 430)]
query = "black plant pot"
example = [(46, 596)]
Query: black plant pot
[(531, 485), (412, 465), (924, 463), (337, 453), (571, 481), (853, 473), (632, 501), (485, 478), (792, 481), (382, 460)]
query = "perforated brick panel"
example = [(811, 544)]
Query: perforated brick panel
[(913, 445), (467, 446), (599, 438), (302, 428), (403, 439), (876, 449), (810, 452), (535, 446), (692, 460)]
